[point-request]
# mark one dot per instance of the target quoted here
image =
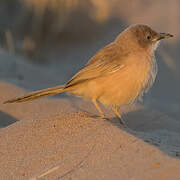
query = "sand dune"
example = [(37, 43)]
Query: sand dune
[(69, 144), (62, 138)]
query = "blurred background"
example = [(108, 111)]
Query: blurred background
[(44, 42)]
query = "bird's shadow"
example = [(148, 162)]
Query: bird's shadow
[(157, 129), (152, 126), (6, 119)]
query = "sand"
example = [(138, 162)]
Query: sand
[(63, 138)]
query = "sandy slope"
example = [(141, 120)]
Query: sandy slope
[(68, 144), (62, 138)]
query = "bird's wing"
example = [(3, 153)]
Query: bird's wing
[(108, 60)]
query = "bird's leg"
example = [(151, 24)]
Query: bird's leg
[(115, 109), (98, 108)]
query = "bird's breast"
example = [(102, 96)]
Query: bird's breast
[(151, 76), (129, 83)]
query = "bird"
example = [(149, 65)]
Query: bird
[(118, 74)]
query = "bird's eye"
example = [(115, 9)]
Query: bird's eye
[(148, 37)]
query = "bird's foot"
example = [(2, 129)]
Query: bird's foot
[(121, 121)]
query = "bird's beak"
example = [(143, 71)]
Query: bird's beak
[(162, 36)]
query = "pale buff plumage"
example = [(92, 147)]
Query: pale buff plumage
[(117, 75)]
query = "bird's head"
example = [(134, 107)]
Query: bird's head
[(142, 36)]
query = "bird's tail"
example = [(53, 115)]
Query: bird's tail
[(38, 94)]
